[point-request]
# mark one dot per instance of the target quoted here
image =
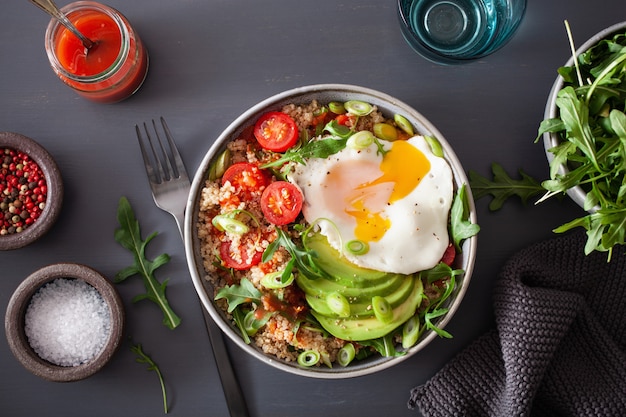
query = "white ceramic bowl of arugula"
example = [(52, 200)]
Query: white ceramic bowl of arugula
[(564, 104), (324, 93)]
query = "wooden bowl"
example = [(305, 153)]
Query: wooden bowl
[(54, 184), (18, 306)]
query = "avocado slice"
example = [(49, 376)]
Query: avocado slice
[(367, 328), (362, 306), (321, 287), (338, 267)]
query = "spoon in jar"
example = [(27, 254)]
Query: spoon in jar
[(51, 8)]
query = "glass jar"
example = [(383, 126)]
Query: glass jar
[(110, 71)]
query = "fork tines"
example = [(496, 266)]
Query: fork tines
[(163, 163)]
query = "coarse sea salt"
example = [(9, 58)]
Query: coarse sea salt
[(67, 322)]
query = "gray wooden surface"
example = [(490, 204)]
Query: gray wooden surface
[(210, 61)]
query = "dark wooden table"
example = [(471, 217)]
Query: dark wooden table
[(210, 61)]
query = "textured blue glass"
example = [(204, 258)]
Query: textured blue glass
[(454, 31)]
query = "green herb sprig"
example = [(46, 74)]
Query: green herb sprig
[(322, 148), (502, 186), (129, 236), (461, 226), (591, 127), (142, 357)]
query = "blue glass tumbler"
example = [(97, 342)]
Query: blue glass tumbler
[(457, 31)]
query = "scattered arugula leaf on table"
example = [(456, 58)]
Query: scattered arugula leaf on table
[(502, 186), (129, 236), (142, 357)]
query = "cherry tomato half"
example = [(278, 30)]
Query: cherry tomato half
[(276, 131), (240, 260), (281, 202), (448, 255), (346, 119), (246, 177)]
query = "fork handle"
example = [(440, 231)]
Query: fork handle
[(232, 391), (230, 386)]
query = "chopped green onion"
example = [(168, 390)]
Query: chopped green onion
[(322, 110), (410, 332), (248, 323), (346, 354), (325, 358), (225, 222), (403, 124), (358, 108), (435, 146), (218, 167), (274, 280), (335, 129), (360, 140), (338, 304), (382, 309), (385, 131), (357, 247), (252, 324), (336, 107), (309, 358)]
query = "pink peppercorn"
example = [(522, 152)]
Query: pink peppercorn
[(23, 191)]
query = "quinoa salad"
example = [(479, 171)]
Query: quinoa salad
[(270, 255)]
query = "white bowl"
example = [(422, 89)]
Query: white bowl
[(550, 140), (323, 93)]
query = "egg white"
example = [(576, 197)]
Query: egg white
[(412, 232)]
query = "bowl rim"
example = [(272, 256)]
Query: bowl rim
[(18, 304), (301, 95), (54, 183), (550, 140)]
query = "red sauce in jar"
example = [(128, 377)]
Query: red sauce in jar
[(110, 71), (102, 30)]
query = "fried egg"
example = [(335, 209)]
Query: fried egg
[(397, 203)]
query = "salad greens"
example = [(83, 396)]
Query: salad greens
[(591, 128), (129, 236), (461, 227), (245, 301), (502, 187), (322, 148), (142, 357), (238, 296)]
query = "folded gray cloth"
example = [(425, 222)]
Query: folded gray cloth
[(559, 346)]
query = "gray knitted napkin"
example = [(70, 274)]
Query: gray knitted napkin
[(559, 345)]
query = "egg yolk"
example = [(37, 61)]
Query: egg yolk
[(403, 167)]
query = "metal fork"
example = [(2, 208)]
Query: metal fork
[(170, 186)]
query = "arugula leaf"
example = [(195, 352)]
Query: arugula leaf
[(433, 314), (575, 116), (591, 128), (460, 226), (142, 357), (384, 345), (439, 271), (239, 316), (437, 311), (302, 259), (236, 295), (503, 186), (322, 148), (129, 236)]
